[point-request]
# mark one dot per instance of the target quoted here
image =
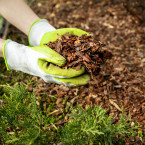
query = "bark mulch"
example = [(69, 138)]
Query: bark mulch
[(121, 81), (80, 52)]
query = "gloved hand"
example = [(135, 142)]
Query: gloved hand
[(38, 61), (41, 32)]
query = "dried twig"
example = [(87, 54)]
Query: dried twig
[(114, 104)]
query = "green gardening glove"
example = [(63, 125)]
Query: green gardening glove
[(39, 61), (41, 32)]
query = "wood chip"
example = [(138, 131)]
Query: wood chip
[(114, 104)]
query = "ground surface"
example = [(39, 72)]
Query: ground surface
[(121, 81)]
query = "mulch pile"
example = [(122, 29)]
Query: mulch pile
[(81, 51)]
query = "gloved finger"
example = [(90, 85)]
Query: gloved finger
[(52, 55), (53, 35), (56, 71), (76, 81)]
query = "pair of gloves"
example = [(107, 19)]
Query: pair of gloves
[(40, 60)]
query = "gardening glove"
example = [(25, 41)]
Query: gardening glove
[(41, 32), (38, 61)]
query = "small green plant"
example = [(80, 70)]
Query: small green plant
[(21, 121), (93, 126)]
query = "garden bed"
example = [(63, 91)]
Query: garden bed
[(121, 81)]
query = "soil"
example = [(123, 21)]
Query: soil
[(121, 82)]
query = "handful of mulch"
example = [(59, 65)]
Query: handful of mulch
[(81, 51)]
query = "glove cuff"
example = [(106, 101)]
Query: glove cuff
[(4, 54), (37, 30)]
